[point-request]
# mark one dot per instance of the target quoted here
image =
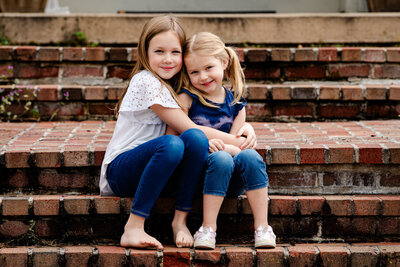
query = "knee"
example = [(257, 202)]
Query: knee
[(195, 138), (173, 147), (221, 160), (249, 157)]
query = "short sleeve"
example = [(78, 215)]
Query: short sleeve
[(144, 91)]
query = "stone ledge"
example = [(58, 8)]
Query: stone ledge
[(342, 254), (120, 29)]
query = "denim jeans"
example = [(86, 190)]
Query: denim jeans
[(143, 172), (232, 176)]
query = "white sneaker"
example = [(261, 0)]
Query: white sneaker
[(264, 237), (205, 238)]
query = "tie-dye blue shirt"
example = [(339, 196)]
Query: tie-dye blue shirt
[(220, 118)]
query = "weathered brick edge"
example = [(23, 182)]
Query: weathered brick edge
[(128, 54), (372, 254), (336, 205)]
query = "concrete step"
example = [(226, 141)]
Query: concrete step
[(295, 101), (92, 219), (354, 157), (333, 254)]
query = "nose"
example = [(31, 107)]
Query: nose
[(203, 75), (167, 58)]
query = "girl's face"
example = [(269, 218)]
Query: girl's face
[(206, 73), (165, 54)]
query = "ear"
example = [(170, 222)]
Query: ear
[(224, 63)]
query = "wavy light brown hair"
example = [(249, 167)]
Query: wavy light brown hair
[(208, 44), (153, 27)]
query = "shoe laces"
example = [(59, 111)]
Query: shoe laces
[(205, 232), (261, 230)]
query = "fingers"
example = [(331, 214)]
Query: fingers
[(241, 130), (216, 145)]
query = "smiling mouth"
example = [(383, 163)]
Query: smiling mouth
[(207, 83), (167, 68)]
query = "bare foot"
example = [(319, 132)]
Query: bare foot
[(182, 236), (138, 238)]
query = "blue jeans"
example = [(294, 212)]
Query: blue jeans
[(232, 176), (143, 172)]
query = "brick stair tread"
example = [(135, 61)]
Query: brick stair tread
[(305, 205), (82, 144), (301, 254)]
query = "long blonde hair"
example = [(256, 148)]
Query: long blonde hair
[(208, 44), (153, 27)]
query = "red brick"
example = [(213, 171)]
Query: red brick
[(363, 226), (257, 55), (281, 93), (339, 205), (6, 71), (329, 93), (394, 92), (363, 255), (389, 255), (47, 93), (262, 73), (47, 228), (387, 71), (73, 92), (208, 257), (393, 54), (115, 93), (118, 54), (338, 111), (283, 155), (271, 257), (173, 256), (111, 256), (101, 108), (364, 206), (83, 71), (310, 205), (99, 156), (306, 72), (292, 179), (341, 154), (76, 157), (257, 92), (292, 110), (77, 205), (19, 179), (37, 72), (375, 92), (303, 255), (351, 54), (282, 205), (352, 93), (45, 257), (95, 54), (107, 205), (94, 93), (49, 54), (25, 53), (77, 256), (390, 205), (304, 54), (312, 154), (392, 180), (370, 153), (256, 110), (239, 256), (12, 257), (72, 54), (17, 159), (327, 54), (6, 53), (280, 54), (333, 255), (46, 205), (119, 72), (348, 70), (140, 257), (47, 158), (240, 53), (13, 228), (374, 55), (126, 204), (389, 226), (304, 92)]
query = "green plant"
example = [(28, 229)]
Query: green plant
[(4, 40), (79, 38)]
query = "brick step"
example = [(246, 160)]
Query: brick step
[(111, 66), (332, 254), (300, 101), (72, 219), (302, 158)]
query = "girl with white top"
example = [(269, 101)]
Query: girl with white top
[(140, 159)]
